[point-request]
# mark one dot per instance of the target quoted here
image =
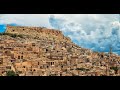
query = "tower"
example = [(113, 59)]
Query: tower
[(108, 60), (110, 50), (108, 68)]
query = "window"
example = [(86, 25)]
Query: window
[(46, 50), (23, 29), (23, 66), (87, 60), (19, 72), (41, 67), (102, 56), (13, 30), (8, 67), (18, 57), (6, 52), (21, 57), (51, 63), (33, 44), (1, 61)]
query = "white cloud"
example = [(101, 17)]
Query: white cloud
[(25, 19), (90, 30)]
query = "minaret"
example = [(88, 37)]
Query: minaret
[(107, 66), (110, 50)]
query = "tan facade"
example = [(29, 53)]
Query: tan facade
[(48, 53)]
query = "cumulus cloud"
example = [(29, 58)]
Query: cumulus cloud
[(95, 31), (25, 19)]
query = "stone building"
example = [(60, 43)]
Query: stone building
[(47, 52)]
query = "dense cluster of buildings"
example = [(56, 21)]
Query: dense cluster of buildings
[(45, 56)]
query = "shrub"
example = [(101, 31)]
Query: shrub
[(114, 68), (12, 35), (11, 73), (21, 36)]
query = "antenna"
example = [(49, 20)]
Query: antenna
[(110, 49)]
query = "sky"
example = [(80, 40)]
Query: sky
[(94, 31)]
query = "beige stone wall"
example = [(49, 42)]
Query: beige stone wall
[(37, 32), (32, 30)]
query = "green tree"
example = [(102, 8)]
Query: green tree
[(115, 69), (11, 73)]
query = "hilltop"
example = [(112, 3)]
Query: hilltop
[(37, 32), (39, 51)]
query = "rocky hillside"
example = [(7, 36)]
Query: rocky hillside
[(37, 32), (38, 51)]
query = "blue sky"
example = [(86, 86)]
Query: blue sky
[(94, 31), (2, 27)]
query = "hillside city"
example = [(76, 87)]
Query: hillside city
[(39, 51)]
